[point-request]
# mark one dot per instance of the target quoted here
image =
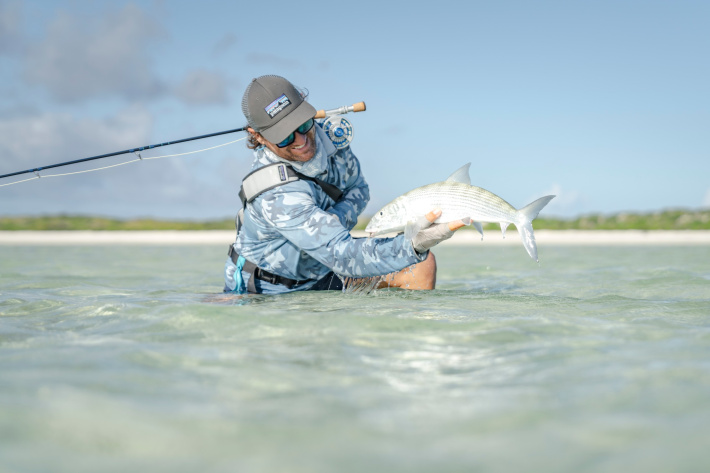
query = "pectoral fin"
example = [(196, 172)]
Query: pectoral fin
[(479, 227), (503, 228)]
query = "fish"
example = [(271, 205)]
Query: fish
[(458, 200)]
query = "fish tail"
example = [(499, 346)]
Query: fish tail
[(524, 224)]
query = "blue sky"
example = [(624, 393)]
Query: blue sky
[(604, 103)]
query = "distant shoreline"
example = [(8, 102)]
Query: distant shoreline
[(669, 219), (467, 237)]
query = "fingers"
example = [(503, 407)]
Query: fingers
[(456, 224), (453, 226), (433, 215)]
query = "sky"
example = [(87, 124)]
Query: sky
[(605, 104)]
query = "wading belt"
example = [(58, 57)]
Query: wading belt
[(262, 274)]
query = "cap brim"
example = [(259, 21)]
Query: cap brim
[(289, 123)]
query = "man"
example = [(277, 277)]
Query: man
[(295, 233)]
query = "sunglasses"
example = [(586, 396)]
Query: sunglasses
[(303, 129)]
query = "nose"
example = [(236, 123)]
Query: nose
[(299, 139)]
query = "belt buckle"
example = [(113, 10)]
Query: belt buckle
[(270, 277)]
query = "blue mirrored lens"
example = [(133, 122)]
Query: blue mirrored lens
[(289, 139), (303, 129)]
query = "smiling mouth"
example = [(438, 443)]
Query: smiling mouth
[(305, 142)]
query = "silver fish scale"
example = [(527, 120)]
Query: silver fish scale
[(457, 201)]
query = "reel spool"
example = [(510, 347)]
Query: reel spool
[(339, 130)]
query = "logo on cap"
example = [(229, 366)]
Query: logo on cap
[(277, 106)]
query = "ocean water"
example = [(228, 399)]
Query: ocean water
[(126, 358)]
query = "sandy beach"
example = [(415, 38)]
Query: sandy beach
[(543, 237)]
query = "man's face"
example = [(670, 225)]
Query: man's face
[(301, 150)]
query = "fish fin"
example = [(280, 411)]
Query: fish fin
[(503, 228), (461, 175), (524, 224), (531, 210), (479, 227), (528, 237)]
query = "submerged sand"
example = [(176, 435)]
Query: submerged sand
[(466, 237)]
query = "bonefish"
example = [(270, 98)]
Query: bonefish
[(458, 199)]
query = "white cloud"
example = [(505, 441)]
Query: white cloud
[(109, 57), (203, 88), (35, 139), (706, 200), (193, 186)]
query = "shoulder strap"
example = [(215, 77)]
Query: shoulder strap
[(332, 191), (278, 174), (262, 179)]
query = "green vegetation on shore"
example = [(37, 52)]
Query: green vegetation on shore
[(665, 220), (73, 222)]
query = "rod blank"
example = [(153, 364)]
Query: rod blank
[(128, 151)]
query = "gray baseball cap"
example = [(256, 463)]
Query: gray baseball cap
[(275, 107)]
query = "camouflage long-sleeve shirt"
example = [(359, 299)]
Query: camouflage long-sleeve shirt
[(298, 232)]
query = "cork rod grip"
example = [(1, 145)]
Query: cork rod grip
[(356, 107), (359, 107)]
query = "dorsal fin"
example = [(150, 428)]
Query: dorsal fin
[(461, 175)]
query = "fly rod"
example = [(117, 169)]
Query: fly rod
[(358, 107)]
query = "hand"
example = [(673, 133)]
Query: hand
[(430, 235)]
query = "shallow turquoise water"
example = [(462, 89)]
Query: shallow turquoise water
[(122, 359)]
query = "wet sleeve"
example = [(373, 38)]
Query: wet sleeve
[(356, 193), (321, 234)]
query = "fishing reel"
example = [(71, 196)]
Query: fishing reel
[(339, 130), (336, 127)]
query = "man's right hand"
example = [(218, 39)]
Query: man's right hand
[(432, 234)]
